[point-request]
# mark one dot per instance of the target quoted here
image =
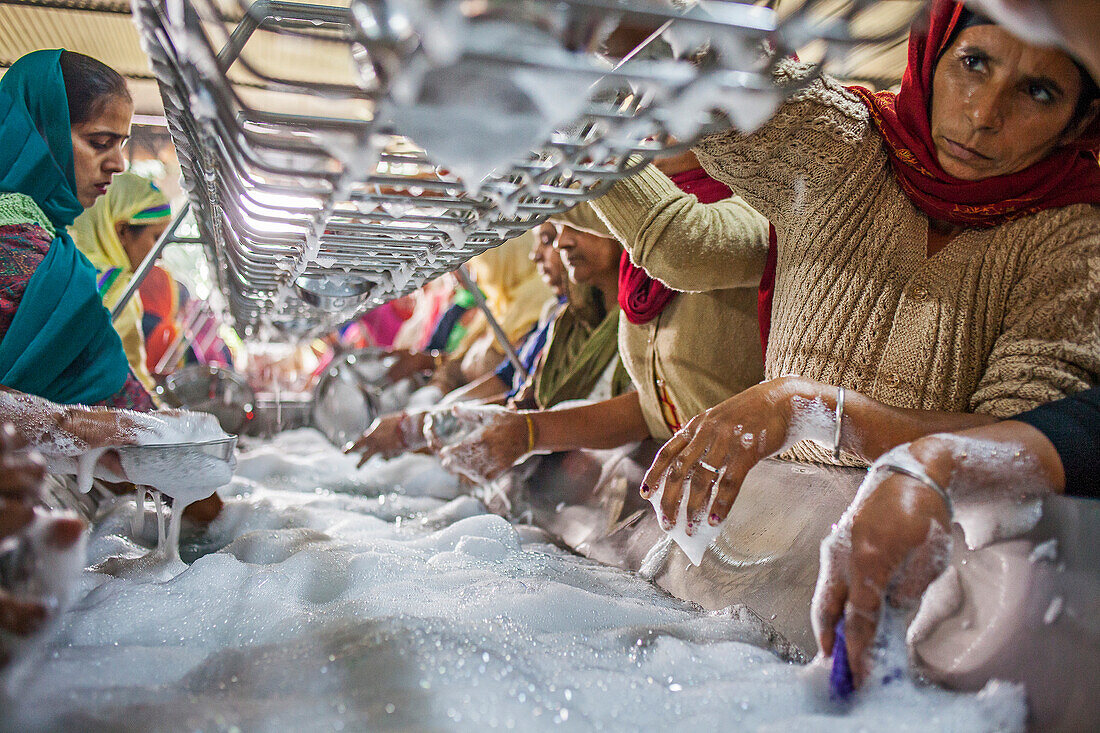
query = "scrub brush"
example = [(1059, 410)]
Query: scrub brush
[(841, 684)]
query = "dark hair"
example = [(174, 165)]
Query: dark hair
[(1089, 90), (89, 84), (135, 229)]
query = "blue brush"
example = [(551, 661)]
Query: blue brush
[(841, 684)]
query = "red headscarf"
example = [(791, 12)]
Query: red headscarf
[(1070, 175)]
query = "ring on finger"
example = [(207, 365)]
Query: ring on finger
[(707, 467)]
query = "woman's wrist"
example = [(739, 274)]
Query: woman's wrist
[(535, 420), (937, 457), (868, 428), (797, 396), (928, 464), (792, 389), (411, 430), (532, 431)]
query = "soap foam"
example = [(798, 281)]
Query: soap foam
[(321, 599)]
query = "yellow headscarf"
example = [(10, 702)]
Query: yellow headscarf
[(134, 200), (513, 289)]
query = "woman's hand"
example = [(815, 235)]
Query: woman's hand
[(390, 436), (100, 427), (895, 538), (495, 440), (718, 447), (889, 546), (407, 363), (21, 475)]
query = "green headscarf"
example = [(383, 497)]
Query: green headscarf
[(577, 353), (61, 344)]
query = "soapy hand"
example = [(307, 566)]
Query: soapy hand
[(390, 436), (889, 546), (718, 447), (21, 476), (496, 440), (408, 363), (101, 427)]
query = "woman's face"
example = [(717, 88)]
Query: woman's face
[(97, 149), (547, 260), (1000, 105), (588, 258), (139, 241)]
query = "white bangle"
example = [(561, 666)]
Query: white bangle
[(918, 474), (839, 423)]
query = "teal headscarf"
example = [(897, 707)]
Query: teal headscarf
[(60, 345)]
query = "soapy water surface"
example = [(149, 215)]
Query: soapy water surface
[(326, 598)]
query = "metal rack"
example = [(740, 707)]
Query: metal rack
[(339, 155)]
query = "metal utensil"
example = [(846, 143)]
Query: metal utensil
[(221, 449), (346, 399), (333, 292), (214, 389)]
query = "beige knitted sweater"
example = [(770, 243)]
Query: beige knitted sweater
[(997, 322), (705, 346)]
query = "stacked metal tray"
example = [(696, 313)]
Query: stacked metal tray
[(340, 154)]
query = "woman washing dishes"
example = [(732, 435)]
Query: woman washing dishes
[(63, 119), (580, 360), (687, 340), (504, 382), (905, 506), (935, 254)]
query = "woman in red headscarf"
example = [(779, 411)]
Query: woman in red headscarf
[(937, 256)]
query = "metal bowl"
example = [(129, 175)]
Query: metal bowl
[(221, 449), (346, 399), (296, 326), (286, 411), (201, 465), (333, 292), (213, 389)]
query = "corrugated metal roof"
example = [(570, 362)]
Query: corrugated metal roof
[(104, 29)]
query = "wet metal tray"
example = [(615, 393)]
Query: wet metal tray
[(339, 154)]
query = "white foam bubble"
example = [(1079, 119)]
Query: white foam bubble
[(321, 600)]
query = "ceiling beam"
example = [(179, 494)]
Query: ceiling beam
[(114, 7)]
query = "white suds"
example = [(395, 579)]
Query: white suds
[(1054, 610), (322, 599)]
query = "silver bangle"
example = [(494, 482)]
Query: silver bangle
[(919, 475), (839, 423)]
